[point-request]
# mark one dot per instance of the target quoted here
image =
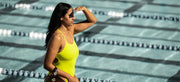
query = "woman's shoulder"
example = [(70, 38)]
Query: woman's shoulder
[(57, 35)]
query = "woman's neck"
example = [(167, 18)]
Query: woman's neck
[(64, 28)]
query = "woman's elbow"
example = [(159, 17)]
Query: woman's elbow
[(46, 66), (95, 20)]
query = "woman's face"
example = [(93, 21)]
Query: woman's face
[(68, 19)]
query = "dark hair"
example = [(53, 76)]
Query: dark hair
[(60, 11)]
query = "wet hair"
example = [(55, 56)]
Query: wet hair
[(60, 11)]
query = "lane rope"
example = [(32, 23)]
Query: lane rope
[(110, 13), (38, 75), (128, 44), (42, 36)]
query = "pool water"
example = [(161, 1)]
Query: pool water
[(99, 61)]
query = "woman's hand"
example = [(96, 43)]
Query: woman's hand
[(71, 79), (81, 8), (76, 78)]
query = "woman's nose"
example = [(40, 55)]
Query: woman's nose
[(73, 18)]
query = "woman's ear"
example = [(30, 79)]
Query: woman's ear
[(61, 18)]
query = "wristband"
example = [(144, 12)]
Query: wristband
[(54, 74), (55, 71)]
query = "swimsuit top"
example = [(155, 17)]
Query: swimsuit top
[(67, 57)]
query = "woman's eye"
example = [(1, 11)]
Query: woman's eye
[(71, 15)]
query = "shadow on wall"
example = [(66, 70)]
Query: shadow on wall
[(175, 78)]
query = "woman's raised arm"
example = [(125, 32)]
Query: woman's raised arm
[(91, 20)]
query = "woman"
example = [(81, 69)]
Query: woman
[(62, 50)]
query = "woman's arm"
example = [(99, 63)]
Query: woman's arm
[(91, 20), (76, 78), (53, 48)]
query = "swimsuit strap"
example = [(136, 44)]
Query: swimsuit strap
[(61, 33), (64, 36)]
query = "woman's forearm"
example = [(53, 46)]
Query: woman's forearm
[(90, 17), (61, 73)]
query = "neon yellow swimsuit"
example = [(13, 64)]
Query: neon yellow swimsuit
[(67, 57)]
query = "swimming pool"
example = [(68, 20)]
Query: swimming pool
[(147, 39)]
